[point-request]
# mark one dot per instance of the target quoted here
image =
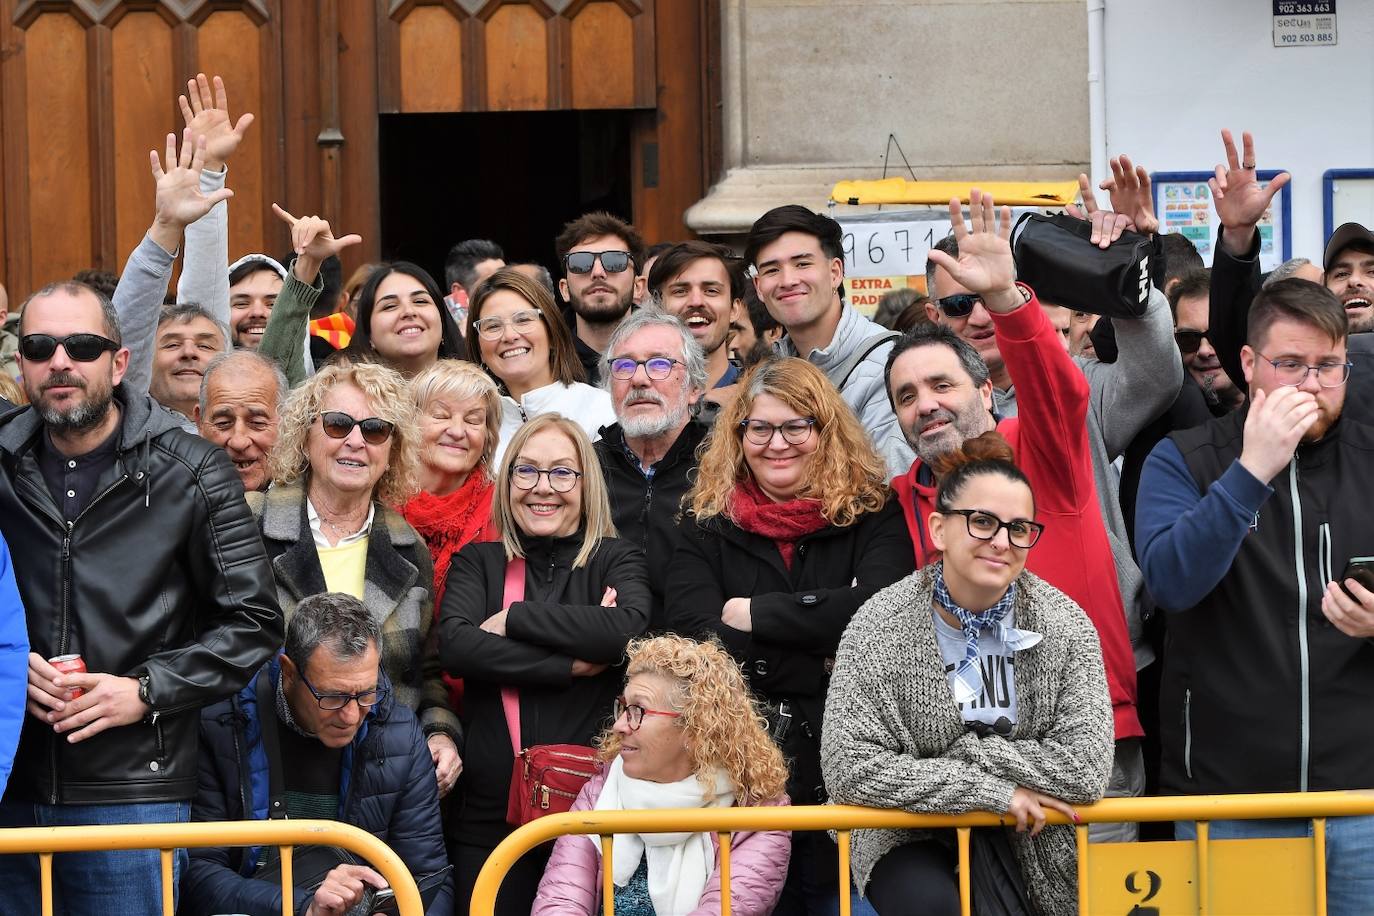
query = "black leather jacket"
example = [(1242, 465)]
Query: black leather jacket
[(163, 574)]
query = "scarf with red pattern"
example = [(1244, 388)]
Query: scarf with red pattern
[(783, 522)]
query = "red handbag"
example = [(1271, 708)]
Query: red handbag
[(546, 778)]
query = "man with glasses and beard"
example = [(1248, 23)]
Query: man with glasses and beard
[(656, 374), (600, 254), (133, 549)]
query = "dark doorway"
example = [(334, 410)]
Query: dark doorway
[(512, 177)]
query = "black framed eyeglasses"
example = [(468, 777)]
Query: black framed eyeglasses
[(794, 432), (1189, 342), (83, 348), (582, 262), (959, 305), (656, 367), (522, 322), (1292, 372), (337, 425), (561, 479), (634, 714), (333, 702), (983, 525)]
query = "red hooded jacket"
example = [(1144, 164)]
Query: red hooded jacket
[(1050, 440)]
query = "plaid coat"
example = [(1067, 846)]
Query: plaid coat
[(396, 590)]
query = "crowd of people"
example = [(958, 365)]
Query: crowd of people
[(285, 545)]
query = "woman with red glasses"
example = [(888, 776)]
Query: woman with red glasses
[(348, 450), (686, 735)]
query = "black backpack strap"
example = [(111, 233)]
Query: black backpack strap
[(271, 744), (846, 368)]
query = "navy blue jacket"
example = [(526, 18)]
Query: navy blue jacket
[(14, 665), (386, 787)]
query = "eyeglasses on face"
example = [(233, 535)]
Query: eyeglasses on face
[(1189, 342), (561, 479), (522, 322), (983, 525), (959, 305), (634, 714), (332, 702), (337, 425), (82, 348), (657, 367), (794, 432), (1291, 372), (582, 262)]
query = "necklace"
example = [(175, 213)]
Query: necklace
[(340, 531)]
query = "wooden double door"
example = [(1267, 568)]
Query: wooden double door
[(88, 87)]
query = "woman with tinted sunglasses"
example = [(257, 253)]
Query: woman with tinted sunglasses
[(554, 637), (347, 452), (788, 529), (515, 331), (971, 685)]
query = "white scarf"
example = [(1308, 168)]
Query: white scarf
[(680, 864)]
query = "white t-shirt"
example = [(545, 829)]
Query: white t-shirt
[(998, 666)]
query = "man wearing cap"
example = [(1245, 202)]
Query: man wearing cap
[(1348, 266)]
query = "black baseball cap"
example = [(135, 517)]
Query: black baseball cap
[(1346, 235)]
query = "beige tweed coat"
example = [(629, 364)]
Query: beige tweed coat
[(893, 735)]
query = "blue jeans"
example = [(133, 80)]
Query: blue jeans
[(813, 880), (126, 882), (1349, 853)]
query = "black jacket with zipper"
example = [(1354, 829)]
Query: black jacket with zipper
[(560, 620), (162, 574), (1260, 693), (646, 510), (798, 614)]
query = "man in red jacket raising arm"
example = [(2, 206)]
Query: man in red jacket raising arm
[(942, 394)]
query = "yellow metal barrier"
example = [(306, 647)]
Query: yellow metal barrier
[(1156, 877), (45, 841)]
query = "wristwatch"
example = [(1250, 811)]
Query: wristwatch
[(143, 682)]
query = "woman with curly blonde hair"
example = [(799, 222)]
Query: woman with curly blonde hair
[(686, 735), (346, 453), (788, 530)]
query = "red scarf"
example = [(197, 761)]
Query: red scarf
[(449, 523), (783, 522)]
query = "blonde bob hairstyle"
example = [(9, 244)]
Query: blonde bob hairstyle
[(723, 728), (596, 505), (454, 380), (846, 475), (388, 397)]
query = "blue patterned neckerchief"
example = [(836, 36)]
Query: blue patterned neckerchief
[(968, 676)]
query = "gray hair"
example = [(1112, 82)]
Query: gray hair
[(109, 318), (184, 312), (950, 246), (231, 358), (1284, 271), (331, 619), (651, 316)]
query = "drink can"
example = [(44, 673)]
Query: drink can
[(70, 664)]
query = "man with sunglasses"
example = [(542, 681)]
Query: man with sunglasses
[(133, 548), (600, 254), (1244, 527), (1188, 298), (943, 394), (317, 734), (655, 375)]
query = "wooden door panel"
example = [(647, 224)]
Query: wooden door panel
[(143, 87), (517, 59), (431, 59), (603, 57)]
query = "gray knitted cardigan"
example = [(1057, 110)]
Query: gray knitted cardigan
[(893, 736)]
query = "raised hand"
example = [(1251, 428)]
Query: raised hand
[(207, 115), (1132, 194), (313, 242), (178, 200), (1107, 224), (985, 264), (1237, 195)]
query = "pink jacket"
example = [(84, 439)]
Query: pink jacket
[(758, 868)]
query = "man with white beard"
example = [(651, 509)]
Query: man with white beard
[(656, 374)]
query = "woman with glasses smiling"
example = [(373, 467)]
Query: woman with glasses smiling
[(545, 644), (788, 529), (515, 331), (971, 685), (347, 452)]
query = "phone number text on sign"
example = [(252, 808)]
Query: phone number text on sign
[(1304, 23)]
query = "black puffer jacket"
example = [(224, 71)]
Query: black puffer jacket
[(646, 509), (561, 619), (798, 614), (163, 573)]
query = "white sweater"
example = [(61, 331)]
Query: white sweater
[(588, 407)]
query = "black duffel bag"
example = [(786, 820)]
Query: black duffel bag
[(1055, 257)]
